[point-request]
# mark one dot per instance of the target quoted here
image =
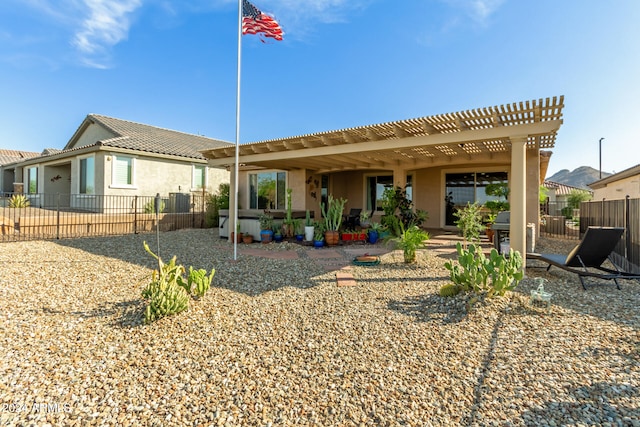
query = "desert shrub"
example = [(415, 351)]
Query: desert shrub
[(469, 222), (150, 206), (476, 273), (19, 201), (215, 202)]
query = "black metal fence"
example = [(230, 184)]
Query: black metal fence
[(558, 219), (58, 216)]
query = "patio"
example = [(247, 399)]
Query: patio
[(277, 342)]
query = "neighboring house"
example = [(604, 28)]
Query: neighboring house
[(113, 157), (559, 193), (618, 186), (443, 161), (7, 157)]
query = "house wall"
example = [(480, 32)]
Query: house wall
[(428, 184), (92, 134), (156, 175), (619, 189)]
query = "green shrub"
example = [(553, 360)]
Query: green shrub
[(476, 273), (19, 201), (215, 202), (198, 282), (150, 206), (409, 241)]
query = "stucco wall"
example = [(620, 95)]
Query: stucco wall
[(92, 134), (154, 175), (619, 189)]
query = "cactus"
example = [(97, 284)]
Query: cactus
[(198, 281), (168, 292), (449, 290)]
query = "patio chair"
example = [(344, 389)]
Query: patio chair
[(593, 250), (352, 219)]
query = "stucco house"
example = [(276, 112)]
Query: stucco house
[(114, 157), (441, 160), (618, 186), (8, 157)]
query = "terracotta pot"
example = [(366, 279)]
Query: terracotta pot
[(331, 237), (247, 238)]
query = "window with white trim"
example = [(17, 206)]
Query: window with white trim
[(123, 171), (87, 175), (376, 185), (199, 177)]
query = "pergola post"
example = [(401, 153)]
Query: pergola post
[(518, 195)]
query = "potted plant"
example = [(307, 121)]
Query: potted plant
[(266, 225), (299, 229), (318, 235), (332, 214), (308, 227), (410, 240), (491, 218), (347, 235), (237, 235), (247, 238), (364, 219), (374, 232), (277, 233)]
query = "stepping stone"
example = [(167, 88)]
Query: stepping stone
[(344, 278)]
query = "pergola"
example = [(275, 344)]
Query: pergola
[(489, 134)]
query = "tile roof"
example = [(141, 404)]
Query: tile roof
[(11, 156), (562, 189), (151, 139)]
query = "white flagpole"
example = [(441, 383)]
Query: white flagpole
[(237, 155)]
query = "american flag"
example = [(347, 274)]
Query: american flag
[(256, 22)]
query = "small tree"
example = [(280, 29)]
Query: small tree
[(469, 223), (215, 202), (576, 197)]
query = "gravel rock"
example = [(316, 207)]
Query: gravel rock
[(276, 342)]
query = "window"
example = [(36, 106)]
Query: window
[(32, 179), (267, 190), (122, 171), (87, 176), (469, 187), (376, 186), (199, 178)]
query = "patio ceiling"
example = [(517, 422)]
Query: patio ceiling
[(478, 135)]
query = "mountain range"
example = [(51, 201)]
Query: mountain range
[(579, 177)]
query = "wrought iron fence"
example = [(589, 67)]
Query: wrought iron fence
[(58, 216), (558, 219)]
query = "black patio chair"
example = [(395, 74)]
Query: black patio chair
[(593, 250), (352, 219)]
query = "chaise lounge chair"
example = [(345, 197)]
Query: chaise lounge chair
[(595, 248)]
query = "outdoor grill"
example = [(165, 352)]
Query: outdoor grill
[(501, 228)]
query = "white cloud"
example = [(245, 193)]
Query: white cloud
[(479, 11), (106, 24)]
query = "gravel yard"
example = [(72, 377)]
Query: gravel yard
[(277, 342)]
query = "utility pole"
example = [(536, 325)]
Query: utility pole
[(601, 157)]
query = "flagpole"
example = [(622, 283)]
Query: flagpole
[(237, 155)]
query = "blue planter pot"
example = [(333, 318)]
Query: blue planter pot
[(266, 236), (299, 237), (318, 243), (373, 236), (277, 238)]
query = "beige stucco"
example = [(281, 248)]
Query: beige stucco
[(619, 188), (508, 137)]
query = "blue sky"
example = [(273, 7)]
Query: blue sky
[(343, 63)]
